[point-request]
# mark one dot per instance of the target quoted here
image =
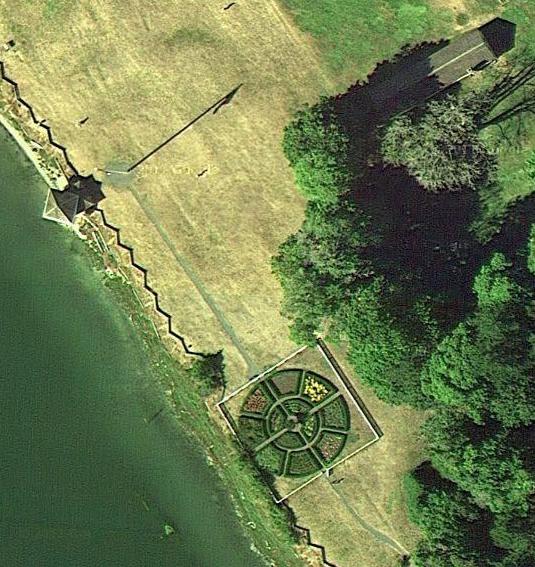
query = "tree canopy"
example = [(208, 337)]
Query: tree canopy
[(531, 250), (485, 366), (431, 315), (482, 461), (318, 152), (386, 356), (442, 149), (209, 371), (318, 267), (455, 530)]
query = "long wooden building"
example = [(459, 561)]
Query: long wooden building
[(415, 78)]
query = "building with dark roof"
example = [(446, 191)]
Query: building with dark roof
[(414, 79), (81, 195)]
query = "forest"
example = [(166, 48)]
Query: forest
[(413, 255)]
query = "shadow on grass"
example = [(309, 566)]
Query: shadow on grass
[(427, 246)]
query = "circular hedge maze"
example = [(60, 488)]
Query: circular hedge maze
[(295, 422)]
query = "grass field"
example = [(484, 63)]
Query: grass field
[(140, 70), (141, 74), (347, 31)]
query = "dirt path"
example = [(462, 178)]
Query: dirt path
[(196, 281), (377, 534)]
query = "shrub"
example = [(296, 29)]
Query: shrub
[(209, 371)]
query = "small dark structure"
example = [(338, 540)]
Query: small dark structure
[(82, 194)]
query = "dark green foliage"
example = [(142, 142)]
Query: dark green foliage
[(317, 150), (455, 530), (385, 356), (432, 316), (252, 431), (318, 266), (277, 420), (289, 440), (442, 149), (481, 461), (209, 371), (517, 535), (485, 366), (336, 414)]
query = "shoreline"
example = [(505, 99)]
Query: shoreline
[(190, 411), (26, 147)]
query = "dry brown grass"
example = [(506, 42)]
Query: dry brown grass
[(370, 498), (141, 69)]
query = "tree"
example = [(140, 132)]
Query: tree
[(209, 371), (382, 354), (517, 535), (485, 366), (481, 461), (455, 530), (318, 152), (319, 266), (493, 286), (466, 373), (442, 149)]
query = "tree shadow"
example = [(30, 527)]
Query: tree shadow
[(395, 85), (426, 242), (427, 245), (515, 229)]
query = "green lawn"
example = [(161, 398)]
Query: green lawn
[(356, 34)]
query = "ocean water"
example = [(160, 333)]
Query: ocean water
[(84, 480)]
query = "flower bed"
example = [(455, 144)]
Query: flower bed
[(315, 388), (287, 381), (336, 414), (302, 463), (310, 427), (257, 401), (289, 440), (330, 445), (277, 420), (287, 412)]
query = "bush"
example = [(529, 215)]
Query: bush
[(209, 372)]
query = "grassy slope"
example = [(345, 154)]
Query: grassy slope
[(356, 34)]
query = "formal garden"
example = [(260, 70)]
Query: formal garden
[(295, 422), (299, 419)]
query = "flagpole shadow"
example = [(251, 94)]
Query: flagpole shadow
[(214, 107)]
